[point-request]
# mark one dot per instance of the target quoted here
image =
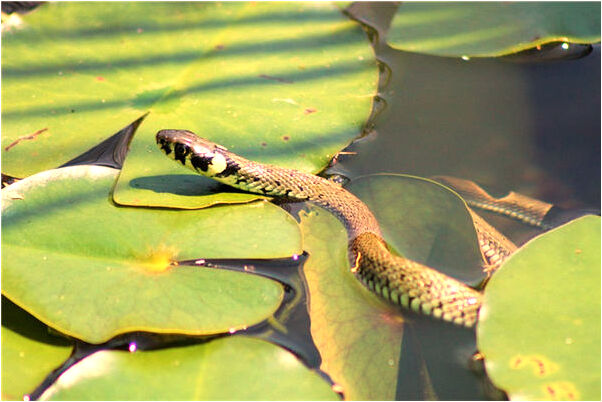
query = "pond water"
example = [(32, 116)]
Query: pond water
[(526, 124)]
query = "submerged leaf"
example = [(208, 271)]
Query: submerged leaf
[(359, 336), (488, 29), (423, 221)]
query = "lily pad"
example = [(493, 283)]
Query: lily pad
[(358, 335), (259, 370), (423, 221), (264, 79), (28, 352), (93, 270), (539, 327), (487, 29), (270, 91)]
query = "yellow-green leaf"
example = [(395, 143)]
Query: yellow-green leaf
[(539, 327), (93, 270)]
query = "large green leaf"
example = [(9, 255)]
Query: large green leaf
[(234, 368), (491, 28), (94, 270), (539, 327), (358, 335), (423, 221), (28, 352), (267, 80)]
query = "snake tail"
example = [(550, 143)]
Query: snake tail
[(526, 209)]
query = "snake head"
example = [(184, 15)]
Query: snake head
[(194, 152)]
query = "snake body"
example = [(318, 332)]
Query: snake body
[(397, 279)]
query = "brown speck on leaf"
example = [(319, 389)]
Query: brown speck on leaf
[(219, 47), (139, 30), (25, 137), (309, 110), (264, 144), (269, 77), (286, 137), (541, 366)]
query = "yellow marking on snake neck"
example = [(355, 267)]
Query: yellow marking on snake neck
[(356, 264), (218, 164)]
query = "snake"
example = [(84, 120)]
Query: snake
[(397, 279)]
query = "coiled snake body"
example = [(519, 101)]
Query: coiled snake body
[(398, 279)]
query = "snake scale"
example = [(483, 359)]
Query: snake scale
[(397, 279)]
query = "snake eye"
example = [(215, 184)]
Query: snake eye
[(180, 149)]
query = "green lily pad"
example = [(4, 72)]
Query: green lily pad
[(233, 368), (423, 221), (93, 270), (539, 327), (357, 334), (265, 79), (28, 352), (487, 29), (271, 100)]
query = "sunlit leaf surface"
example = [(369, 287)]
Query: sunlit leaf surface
[(539, 326), (288, 83), (269, 84), (94, 270), (234, 368), (491, 28)]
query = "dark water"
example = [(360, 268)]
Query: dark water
[(527, 123)]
